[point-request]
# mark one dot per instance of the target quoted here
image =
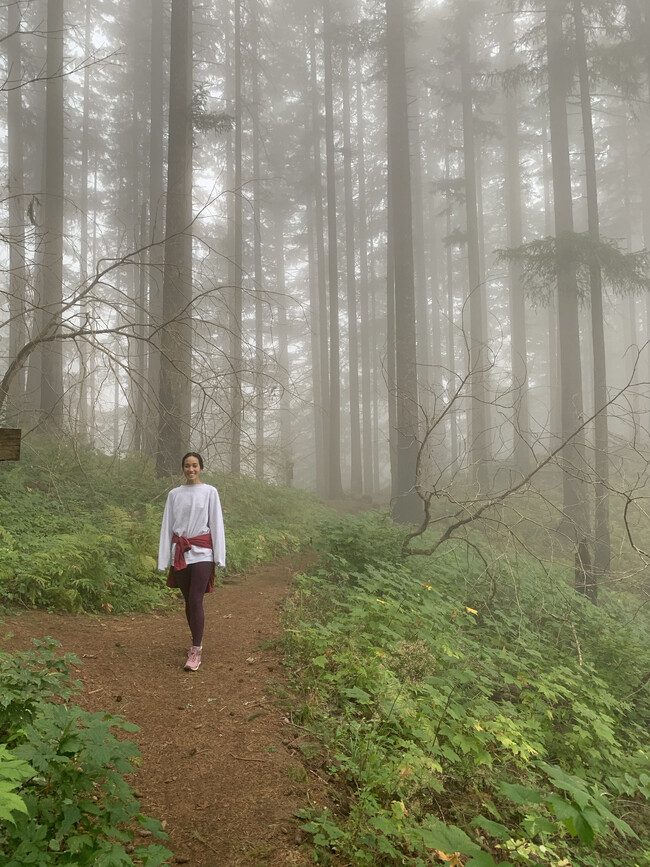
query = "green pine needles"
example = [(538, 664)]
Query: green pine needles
[(623, 273)]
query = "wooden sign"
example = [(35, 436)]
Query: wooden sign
[(10, 443)]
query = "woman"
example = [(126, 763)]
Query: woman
[(192, 540)]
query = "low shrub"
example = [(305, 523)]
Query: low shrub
[(469, 714), (79, 531), (63, 796)]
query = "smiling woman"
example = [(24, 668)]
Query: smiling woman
[(192, 544)]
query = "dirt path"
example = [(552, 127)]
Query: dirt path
[(221, 764)]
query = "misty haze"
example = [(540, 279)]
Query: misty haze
[(385, 264)]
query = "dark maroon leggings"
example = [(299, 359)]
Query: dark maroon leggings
[(193, 582)]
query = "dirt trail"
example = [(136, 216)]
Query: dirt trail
[(221, 764)]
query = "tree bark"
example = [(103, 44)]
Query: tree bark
[(522, 455), (334, 406), (356, 473), (319, 312), (602, 550), (407, 506), (235, 265), (156, 220), (176, 341), (51, 354), (16, 206), (576, 523), (258, 271), (479, 451), (364, 293)]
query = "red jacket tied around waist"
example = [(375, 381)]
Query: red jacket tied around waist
[(184, 544)]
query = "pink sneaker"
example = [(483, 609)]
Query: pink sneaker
[(193, 658)]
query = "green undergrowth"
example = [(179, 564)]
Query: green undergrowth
[(79, 530), (63, 796), (470, 717)]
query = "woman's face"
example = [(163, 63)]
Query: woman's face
[(192, 470)]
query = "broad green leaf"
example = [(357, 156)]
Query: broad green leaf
[(520, 794), (358, 694), (386, 826), (495, 829), (10, 803), (538, 825), (447, 838)]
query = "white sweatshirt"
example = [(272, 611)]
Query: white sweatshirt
[(192, 510)]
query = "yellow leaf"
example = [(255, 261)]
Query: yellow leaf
[(453, 860), (471, 610)]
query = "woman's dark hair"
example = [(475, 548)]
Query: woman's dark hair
[(192, 455)]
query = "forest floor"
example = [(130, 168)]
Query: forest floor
[(222, 765)]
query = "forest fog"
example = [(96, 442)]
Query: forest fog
[(390, 250)]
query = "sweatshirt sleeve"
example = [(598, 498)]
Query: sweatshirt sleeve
[(165, 546), (215, 521)]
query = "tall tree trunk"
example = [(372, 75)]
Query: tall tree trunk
[(576, 520), (176, 342), (628, 228), (391, 354), (364, 292), (235, 269), (433, 262), (602, 552), (522, 455), (137, 353), (16, 205), (424, 342), (407, 507), (316, 344), (258, 271), (377, 375), (51, 405), (356, 472), (318, 288), (83, 431), (554, 388), (156, 227), (334, 406), (644, 132), (284, 373), (451, 328), (478, 358)]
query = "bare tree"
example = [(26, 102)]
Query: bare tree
[(514, 511)]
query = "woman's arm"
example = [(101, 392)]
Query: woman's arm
[(215, 522), (165, 545)]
